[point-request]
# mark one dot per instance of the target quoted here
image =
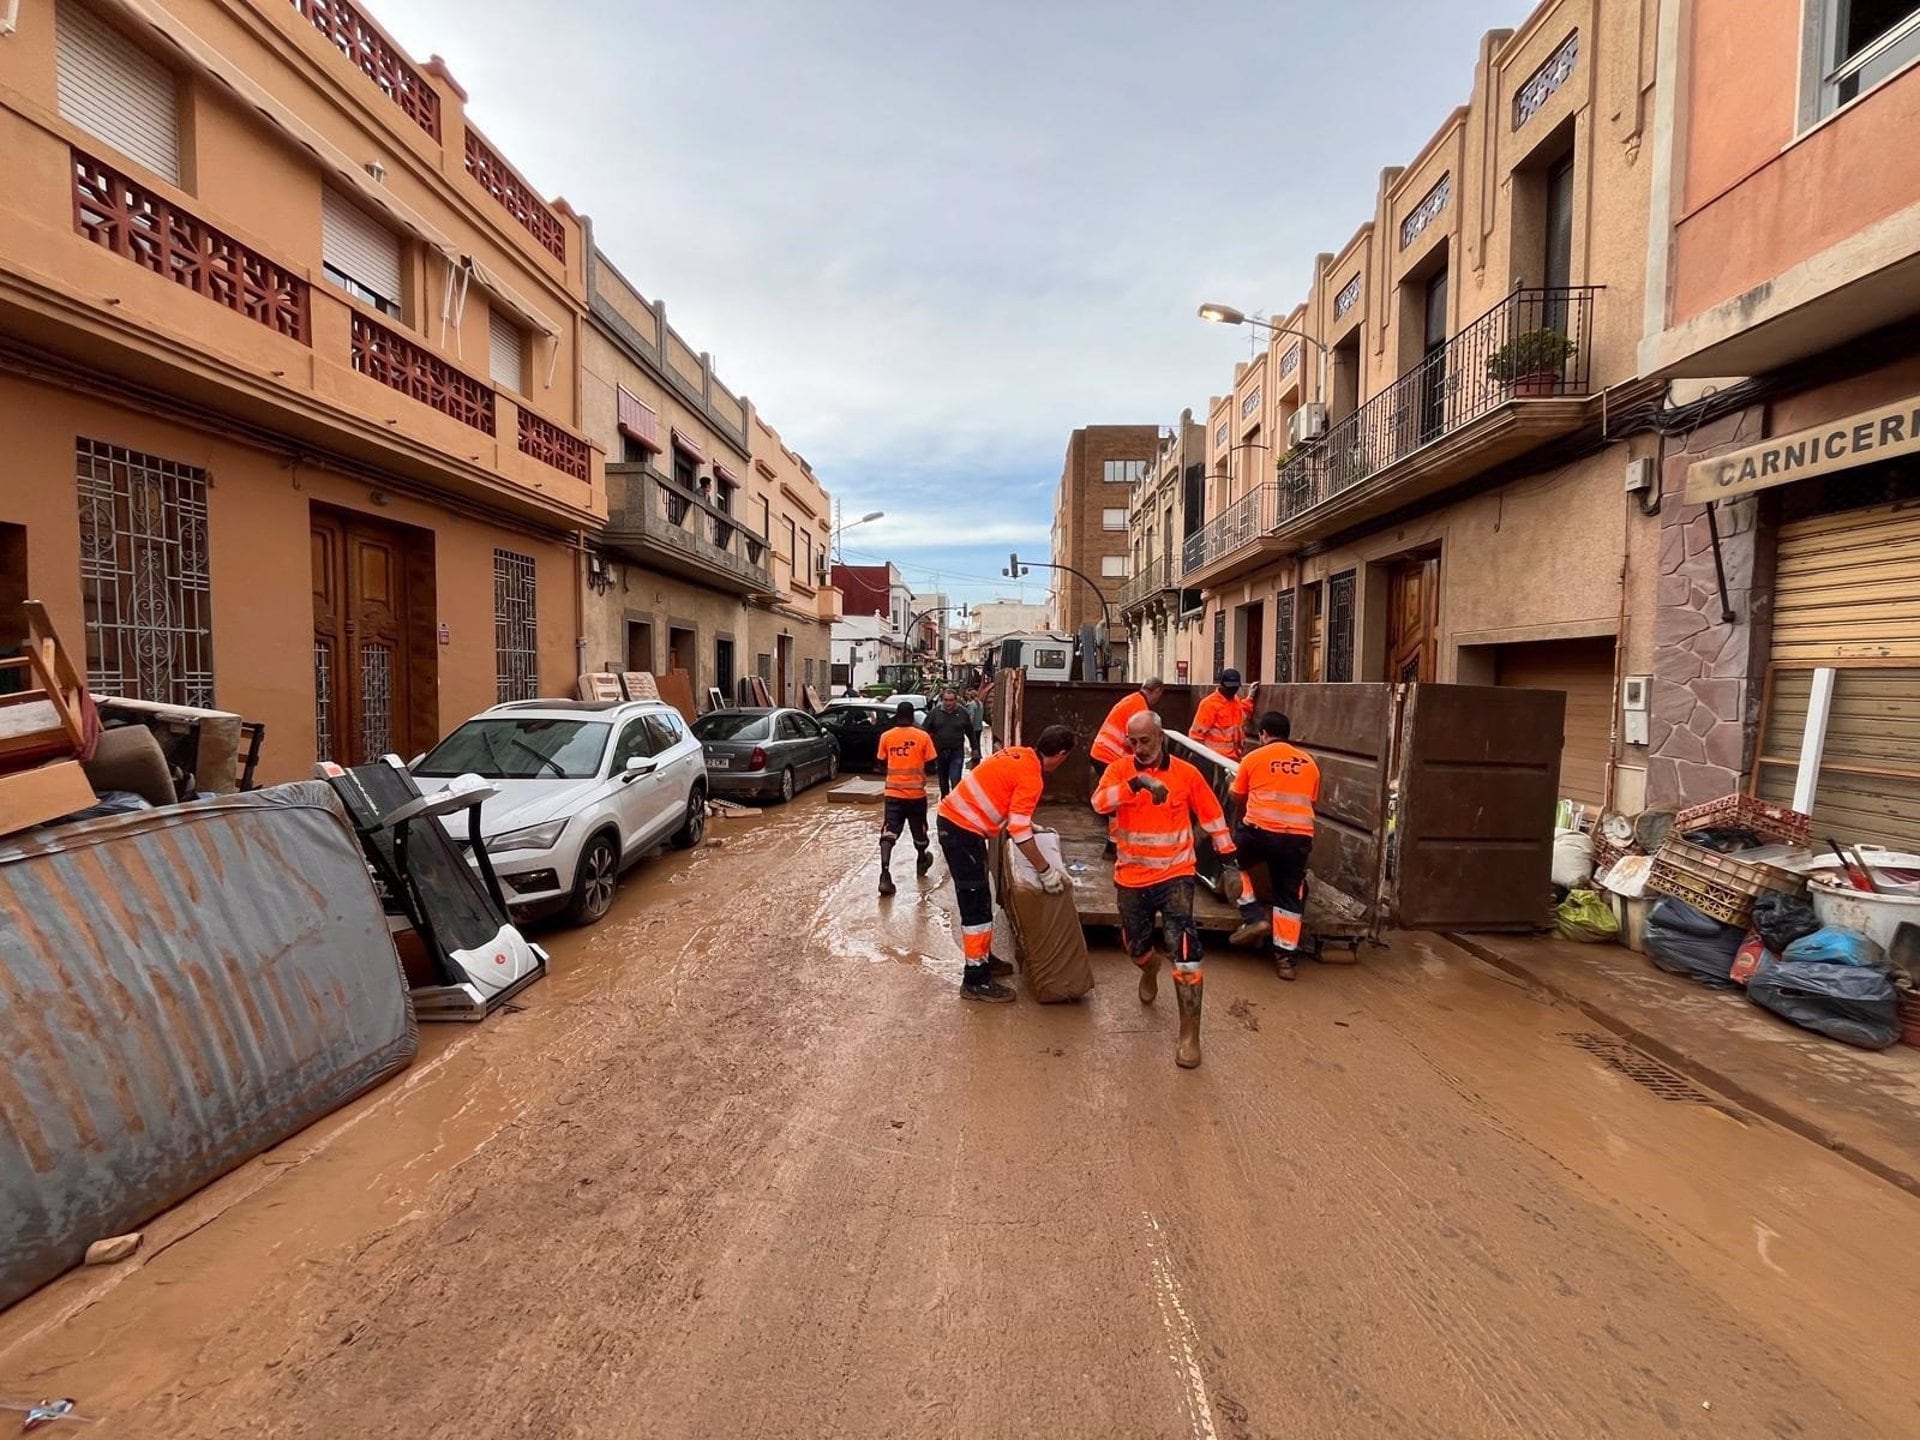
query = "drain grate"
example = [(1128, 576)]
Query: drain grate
[(1642, 1069)]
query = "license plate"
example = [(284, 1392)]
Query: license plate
[(720, 762)]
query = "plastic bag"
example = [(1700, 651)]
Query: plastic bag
[(1832, 945), (1748, 957), (1783, 919), (1849, 1003), (1585, 915), (1682, 941)]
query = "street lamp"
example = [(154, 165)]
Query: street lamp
[(842, 529), (1227, 315), (1016, 569)]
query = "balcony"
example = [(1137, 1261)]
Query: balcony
[(656, 523), (1156, 576), (1508, 383)]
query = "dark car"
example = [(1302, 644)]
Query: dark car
[(765, 753), (858, 726)]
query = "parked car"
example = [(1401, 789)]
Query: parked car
[(586, 788), (765, 753), (857, 725)]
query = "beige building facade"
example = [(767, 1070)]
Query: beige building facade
[(1163, 617), (1090, 530)]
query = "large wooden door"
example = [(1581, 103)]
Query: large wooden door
[(363, 651), (1413, 616)]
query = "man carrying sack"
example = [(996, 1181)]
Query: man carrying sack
[(1274, 793), (1155, 800)]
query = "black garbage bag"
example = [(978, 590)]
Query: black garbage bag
[(1850, 1003), (1782, 919), (1682, 941)]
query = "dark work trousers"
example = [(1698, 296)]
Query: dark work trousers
[(949, 765), (966, 855), (901, 816), (1172, 901), (1285, 857)]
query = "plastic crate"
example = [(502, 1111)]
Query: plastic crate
[(1723, 886), (1763, 819)]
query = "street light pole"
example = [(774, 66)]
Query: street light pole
[(1015, 570), (1227, 315)]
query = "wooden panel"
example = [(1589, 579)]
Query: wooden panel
[(1847, 586), (1583, 671)]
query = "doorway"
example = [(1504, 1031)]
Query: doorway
[(1413, 619), (640, 646), (1253, 631), (1313, 633), (373, 649), (723, 664), (783, 660), (1433, 362), (680, 643)]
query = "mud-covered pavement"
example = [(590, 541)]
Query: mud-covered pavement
[(746, 1166)]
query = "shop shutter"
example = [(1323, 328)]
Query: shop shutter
[(1583, 670), (1847, 595), (359, 247), (110, 87), (506, 351)]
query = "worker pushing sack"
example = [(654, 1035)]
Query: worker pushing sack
[(1001, 792), (906, 751), (1155, 800), (1220, 719), (1274, 792), (1111, 743)]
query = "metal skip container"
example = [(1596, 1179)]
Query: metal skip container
[(179, 990)]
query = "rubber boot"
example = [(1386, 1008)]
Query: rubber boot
[(1149, 976), (886, 881), (1187, 1056), (1283, 965), (1254, 926), (977, 983), (924, 863)]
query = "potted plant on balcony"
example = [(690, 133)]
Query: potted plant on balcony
[(1530, 364)]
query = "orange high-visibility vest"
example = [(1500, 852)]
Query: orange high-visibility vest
[(1111, 742), (1002, 789), (1220, 724), (1155, 842), (907, 751), (1279, 785)]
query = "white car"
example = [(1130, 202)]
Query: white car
[(585, 789)]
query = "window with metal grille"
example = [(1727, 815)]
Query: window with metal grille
[(516, 638), (1341, 591), (144, 576), (1283, 638)]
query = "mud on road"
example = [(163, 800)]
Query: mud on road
[(746, 1166)]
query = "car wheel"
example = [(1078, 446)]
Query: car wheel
[(786, 785), (594, 882), (695, 829), (833, 766)]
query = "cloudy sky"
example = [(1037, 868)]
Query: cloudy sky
[(929, 239)]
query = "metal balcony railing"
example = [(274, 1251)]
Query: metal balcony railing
[(651, 512), (1533, 345), (1240, 524), (1156, 575)]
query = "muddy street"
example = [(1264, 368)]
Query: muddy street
[(745, 1165)]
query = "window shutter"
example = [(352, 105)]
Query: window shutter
[(113, 89), (506, 351), (357, 245)]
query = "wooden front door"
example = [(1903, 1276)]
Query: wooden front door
[(1413, 614), (363, 651), (1256, 643)]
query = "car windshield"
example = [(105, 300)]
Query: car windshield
[(731, 725), (520, 748)]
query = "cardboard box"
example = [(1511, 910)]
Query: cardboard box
[(33, 797)]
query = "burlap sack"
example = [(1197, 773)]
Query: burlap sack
[(1047, 939)]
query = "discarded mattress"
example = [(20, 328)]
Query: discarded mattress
[(179, 990), (1048, 941)]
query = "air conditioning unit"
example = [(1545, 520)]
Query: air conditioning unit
[(1309, 422)]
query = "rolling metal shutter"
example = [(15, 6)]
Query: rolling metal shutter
[(1847, 595), (110, 87), (506, 351), (1583, 670), (359, 247)]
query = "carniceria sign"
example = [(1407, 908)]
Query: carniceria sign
[(1838, 445)]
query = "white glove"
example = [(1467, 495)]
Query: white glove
[(1053, 882)]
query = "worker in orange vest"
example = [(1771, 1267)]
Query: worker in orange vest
[(1220, 719), (1111, 743), (1156, 799), (1274, 792), (1000, 793), (906, 750)]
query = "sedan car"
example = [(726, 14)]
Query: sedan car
[(585, 789), (857, 725), (771, 754)]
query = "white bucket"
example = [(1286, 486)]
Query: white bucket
[(1878, 917)]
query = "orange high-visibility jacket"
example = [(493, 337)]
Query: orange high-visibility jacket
[(1155, 842), (1111, 742), (1279, 784), (1002, 789), (1220, 724), (907, 750)]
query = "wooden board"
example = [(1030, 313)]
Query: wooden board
[(600, 685), (814, 707), (676, 688), (640, 685), (33, 797)]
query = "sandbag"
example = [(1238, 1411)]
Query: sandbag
[(1782, 919), (1572, 859), (1047, 938), (1585, 915), (1682, 941), (1850, 1003)]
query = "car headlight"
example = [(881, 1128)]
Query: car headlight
[(531, 837)]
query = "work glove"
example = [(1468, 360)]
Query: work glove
[(1148, 785), (1053, 882)]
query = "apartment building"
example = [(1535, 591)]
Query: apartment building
[(1423, 477), (792, 628), (1162, 617), (1783, 251), (875, 625), (1089, 533), (288, 374)]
